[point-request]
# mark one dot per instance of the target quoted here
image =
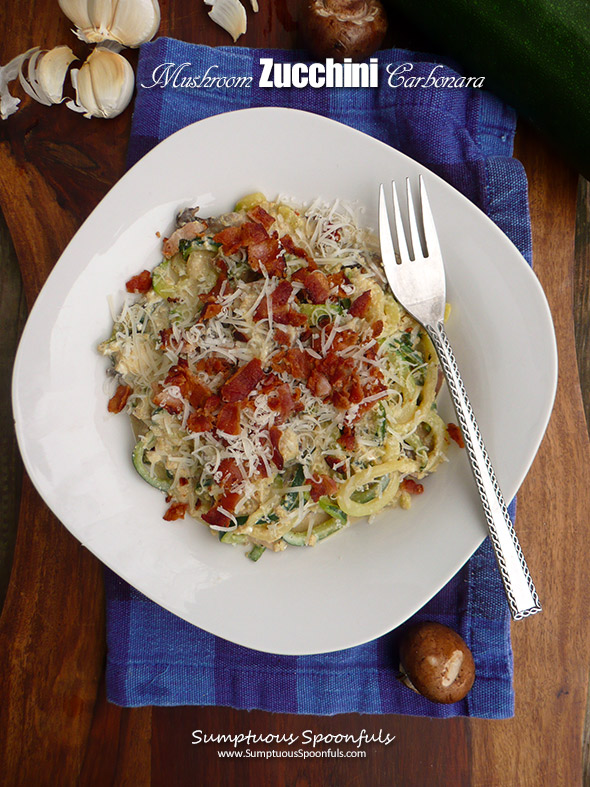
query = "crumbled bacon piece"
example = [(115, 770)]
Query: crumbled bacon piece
[(377, 328), (228, 501), (344, 339), (323, 486), (279, 297), (165, 335), (411, 486), (212, 404), (315, 283), (245, 380), (230, 472), (175, 511), (290, 247), (360, 305), (210, 310), (338, 280), (239, 336), (335, 463), (252, 234), (347, 438), (230, 239), (455, 434), (319, 384), (214, 364), (266, 253), (295, 362), (119, 399), (169, 402), (182, 481), (197, 422), (198, 393), (282, 401), (275, 436), (282, 337), (228, 419), (287, 316), (259, 215), (140, 283)]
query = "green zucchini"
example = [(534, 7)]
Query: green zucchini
[(160, 477), (534, 54), (256, 552), (298, 538)]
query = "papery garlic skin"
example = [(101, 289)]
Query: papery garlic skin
[(128, 22), (8, 73), (104, 84), (229, 14)]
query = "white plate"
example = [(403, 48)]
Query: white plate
[(368, 579)]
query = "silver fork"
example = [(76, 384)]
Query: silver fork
[(418, 283)]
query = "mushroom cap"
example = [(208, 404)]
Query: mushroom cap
[(437, 662), (343, 28)]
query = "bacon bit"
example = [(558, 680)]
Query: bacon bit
[(360, 305), (118, 401), (290, 247), (240, 384), (212, 404), (259, 215), (377, 328), (282, 337), (344, 339), (230, 239), (455, 434), (319, 384), (335, 463), (239, 336), (197, 422), (198, 393), (411, 486), (140, 283), (290, 317), (171, 403), (165, 335), (214, 364), (324, 486), (211, 296), (175, 511), (227, 501), (338, 280), (316, 284), (266, 254), (210, 310), (282, 401), (230, 472), (347, 438), (275, 435), (182, 481), (252, 234), (228, 419), (297, 363), (188, 231), (355, 390), (279, 297)]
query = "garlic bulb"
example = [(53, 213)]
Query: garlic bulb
[(104, 84), (128, 22), (229, 14)]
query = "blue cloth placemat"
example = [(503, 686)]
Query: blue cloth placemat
[(466, 136)]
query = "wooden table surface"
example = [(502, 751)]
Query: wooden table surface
[(56, 727)]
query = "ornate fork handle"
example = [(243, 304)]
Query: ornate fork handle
[(522, 596)]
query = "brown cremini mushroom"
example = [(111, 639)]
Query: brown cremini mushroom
[(343, 28), (436, 662)]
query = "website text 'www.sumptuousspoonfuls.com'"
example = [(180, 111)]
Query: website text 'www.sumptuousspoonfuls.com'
[(304, 754)]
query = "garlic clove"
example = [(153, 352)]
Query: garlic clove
[(8, 73), (51, 71), (229, 14), (254, 5), (135, 23), (104, 84), (128, 22), (77, 12), (30, 83)]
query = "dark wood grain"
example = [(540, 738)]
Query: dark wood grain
[(582, 291), (55, 724)]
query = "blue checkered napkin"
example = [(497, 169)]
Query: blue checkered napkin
[(155, 658)]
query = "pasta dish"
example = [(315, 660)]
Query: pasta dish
[(276, 388)]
